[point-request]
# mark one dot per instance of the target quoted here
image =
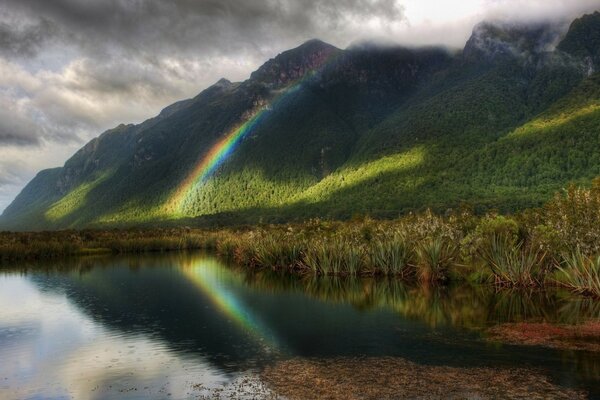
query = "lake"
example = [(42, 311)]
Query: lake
[(182, 326)]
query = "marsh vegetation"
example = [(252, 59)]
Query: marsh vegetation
[(558, 244)]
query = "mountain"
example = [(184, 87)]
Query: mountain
[(321, 131)]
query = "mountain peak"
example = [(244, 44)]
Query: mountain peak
[(496, 40), (583, 40), (223, 82), (295, 63)]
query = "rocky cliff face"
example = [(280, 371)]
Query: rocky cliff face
[(582, 41), (294, 64)]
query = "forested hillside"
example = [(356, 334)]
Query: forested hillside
[(320, 131)]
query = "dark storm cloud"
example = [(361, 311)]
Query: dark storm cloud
[(25, 40), (215, 26), (147, 52)]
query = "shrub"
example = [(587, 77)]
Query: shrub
[(573, 220)]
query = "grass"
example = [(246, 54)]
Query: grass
[(580, 273), (15, 246), (526, 250), (435, 257), (334, 256), (513, 264), (391, 256)]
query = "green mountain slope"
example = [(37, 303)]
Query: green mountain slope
[(319, 131)]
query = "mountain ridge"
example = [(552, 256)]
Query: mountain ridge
[(408, 127)]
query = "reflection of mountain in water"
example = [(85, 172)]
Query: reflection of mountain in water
[(236, 319)]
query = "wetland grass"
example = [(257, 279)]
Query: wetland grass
[(518, 251), (514, 264), (435, 257), (580, 273)]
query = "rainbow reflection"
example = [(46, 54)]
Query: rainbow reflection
[(211, 278), (224, 147)]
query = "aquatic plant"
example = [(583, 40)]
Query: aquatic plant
[(277, 251), (333, 256), (434, 258), (570, 220), (391, 256), (580, 273), (513, 264)]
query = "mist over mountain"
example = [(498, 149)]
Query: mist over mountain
[(328, 132)]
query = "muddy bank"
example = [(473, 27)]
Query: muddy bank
[(395, 378), (567, 337)]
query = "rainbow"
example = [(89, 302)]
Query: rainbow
[(223, 148), (216, 155), (210, 278)]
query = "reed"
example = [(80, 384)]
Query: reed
[(516, 251)]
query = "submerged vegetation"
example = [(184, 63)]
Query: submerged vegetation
[(558, 244), (397, 378)]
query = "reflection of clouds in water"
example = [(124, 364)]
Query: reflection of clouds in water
[(49, 347)]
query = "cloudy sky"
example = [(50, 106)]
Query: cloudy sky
[(70, 69)]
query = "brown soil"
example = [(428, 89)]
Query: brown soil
[(396, 378), (568, 337)]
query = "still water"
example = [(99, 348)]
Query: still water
[(188, 326)]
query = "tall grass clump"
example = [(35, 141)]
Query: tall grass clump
[(435, 256), (333, 256), (513, 264), (277, 252), (580, 273), (391, 256)]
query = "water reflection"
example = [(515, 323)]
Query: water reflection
[(145, 327), (50, 349), (463, 306)]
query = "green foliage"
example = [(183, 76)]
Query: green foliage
[(488, 229), (380, 132), (275, 251), (44, 245), (571, 220), (391, 256), (580, 273), (513, 265), (74, 200), (513, 251), (435, 256), (334, 256)]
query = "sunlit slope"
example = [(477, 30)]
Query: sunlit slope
[(319, 131), (515, 165)]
